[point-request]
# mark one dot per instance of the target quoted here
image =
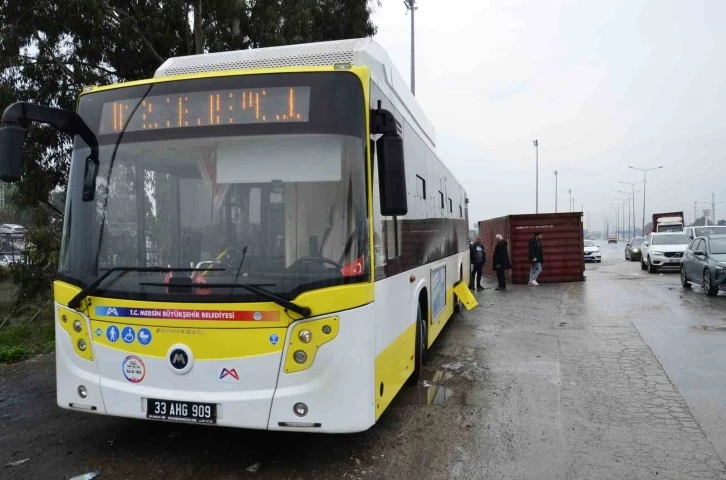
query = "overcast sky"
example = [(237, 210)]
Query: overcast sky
[(601, 85)]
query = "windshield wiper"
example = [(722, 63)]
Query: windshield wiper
[(75, 302), (254, 288)]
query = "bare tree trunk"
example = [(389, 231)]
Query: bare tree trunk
[(185, 23), (198, 32), (236, 19)]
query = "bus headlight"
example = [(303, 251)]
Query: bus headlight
[(77, 326), (305, 336), (300, 356), (81, 345)]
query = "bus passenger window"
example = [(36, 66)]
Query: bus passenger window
[(420, 187)]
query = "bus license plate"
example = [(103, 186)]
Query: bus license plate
[(175, 411)]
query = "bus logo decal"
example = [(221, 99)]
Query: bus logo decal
[(128, 335), (179, 359), (112, 333), (274, 339), (189, 314)]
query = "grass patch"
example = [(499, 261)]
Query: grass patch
[(26, 334)]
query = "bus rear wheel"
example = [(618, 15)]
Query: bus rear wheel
[(421, 335)]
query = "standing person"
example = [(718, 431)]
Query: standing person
[(500, 262), (477, 257), (536, 257)]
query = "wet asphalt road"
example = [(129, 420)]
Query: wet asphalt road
[(617, 377)]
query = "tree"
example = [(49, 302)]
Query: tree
[(50, 49)]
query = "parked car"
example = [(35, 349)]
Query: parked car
[(704, 263), (592, 252), (694, 232), (633, 249), (663, 250), (12, 229)]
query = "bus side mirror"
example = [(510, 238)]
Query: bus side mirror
[(12, 139), (392, 175)]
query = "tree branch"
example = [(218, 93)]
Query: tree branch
[(60, 65), (136, 30), (52, 207)]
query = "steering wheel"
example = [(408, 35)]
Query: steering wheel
[(230, 258), (319, 260)]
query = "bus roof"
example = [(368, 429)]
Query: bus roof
[(359, 51)]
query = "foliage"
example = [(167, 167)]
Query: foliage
[(20, 338), (50, 49)]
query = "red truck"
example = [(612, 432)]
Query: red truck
[(667, 222)]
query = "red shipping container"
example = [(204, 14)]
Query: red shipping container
[(562, 245)]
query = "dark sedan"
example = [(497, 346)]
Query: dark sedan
[(633, 249), (704, 263)]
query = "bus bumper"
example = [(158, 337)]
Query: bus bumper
[(337, 388)]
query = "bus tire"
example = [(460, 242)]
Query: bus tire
[(457, 302), (420, 347)]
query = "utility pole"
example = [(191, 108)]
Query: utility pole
[(572, 207), (645, 172), (695, 212), (536, 188), (555, 191), (411, 7), (714, 221)]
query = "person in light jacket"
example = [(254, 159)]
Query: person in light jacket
[(536, 257), (500, 261)]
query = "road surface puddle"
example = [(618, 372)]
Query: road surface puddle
[(428, 392), (711, 328)]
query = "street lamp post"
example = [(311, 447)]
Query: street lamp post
[(555, 191), (411, 7), (622, 205), (629, 229), (536, 188), (645, 172), (570, 192), (632, 186), (616, 207)]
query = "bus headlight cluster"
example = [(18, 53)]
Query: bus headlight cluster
[(306, 339), (76, 327), (300, 356)]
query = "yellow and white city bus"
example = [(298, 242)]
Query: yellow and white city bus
[(246, 243)]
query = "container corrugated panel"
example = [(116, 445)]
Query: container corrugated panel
[(562, 244)]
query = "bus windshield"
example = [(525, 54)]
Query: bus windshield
[(251, 179)]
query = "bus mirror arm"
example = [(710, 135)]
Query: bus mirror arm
[(15, 120)]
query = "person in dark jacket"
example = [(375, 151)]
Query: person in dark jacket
[(477, 257), (536, 257), (500, 262)]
